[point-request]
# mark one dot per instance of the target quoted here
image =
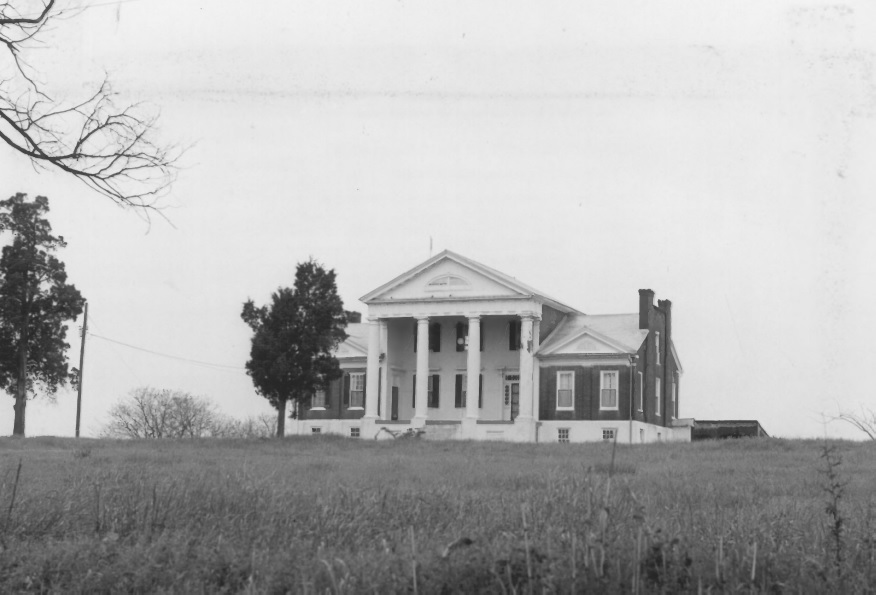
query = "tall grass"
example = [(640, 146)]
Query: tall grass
[(327, 514)]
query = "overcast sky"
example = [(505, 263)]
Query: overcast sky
[(720, 154)]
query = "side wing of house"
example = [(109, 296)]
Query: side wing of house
[(344, 398)]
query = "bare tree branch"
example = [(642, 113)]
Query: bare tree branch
[(865, 421), (107, 145)]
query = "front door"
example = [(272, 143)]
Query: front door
[(394, 407), (511, 396)]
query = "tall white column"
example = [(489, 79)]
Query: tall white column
[(473, 368), (526, 349), (421, 405), (383, 402), (373, 370), (536, 370)]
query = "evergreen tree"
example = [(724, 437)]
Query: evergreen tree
[(35, 303), (295, 337)]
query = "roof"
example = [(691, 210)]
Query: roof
[(356, 343), (621, 331), (489, 272)]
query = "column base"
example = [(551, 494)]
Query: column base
[(469, 428), (368, 427), (418, 422), (524, 428)]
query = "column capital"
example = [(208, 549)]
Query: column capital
[(373, 319), (421, 318), (529, 316), (473, 316)]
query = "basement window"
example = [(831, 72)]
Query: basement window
[(609, 434), (316, 430), (563, 435), (354, 432)]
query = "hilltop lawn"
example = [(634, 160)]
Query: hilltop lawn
[(328, 514)]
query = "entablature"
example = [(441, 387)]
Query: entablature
[(509, 306)]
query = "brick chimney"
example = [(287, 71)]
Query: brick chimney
[(666, 307), (646, 302)]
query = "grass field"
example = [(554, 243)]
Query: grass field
[(328, 514)]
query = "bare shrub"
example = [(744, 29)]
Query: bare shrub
[(161, 413), (260, 426)]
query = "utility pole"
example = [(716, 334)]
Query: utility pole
[(81, 374)]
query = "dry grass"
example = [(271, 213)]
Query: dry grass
[(326, 514)]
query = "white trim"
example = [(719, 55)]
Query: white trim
[(658, 389), (317, 409), (657, 347), (563, 373), (553, 361), (602, 376), (353, 375), (498, 277), (641, 395), (355, 409), (619, 347)]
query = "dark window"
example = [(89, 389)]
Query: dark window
[(462, 336), (434, 394), (459, 400), (435, 337), (514, 335)]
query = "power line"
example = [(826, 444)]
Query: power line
[(158, 353)]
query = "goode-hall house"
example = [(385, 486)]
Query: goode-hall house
[(463, 351)]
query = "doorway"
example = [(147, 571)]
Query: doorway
[(511, 397), (394, 407)]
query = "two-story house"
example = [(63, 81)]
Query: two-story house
[(467, 352)]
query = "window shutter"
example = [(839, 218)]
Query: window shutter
[(460, 336), (414, 393), (513, 335), (346, 390), (480, 390), (458, 401), (435, 337), (328, 394), (416, 325), (482, 334), (436, 394), (379, 391)]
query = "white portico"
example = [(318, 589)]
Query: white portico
[(451, 345)]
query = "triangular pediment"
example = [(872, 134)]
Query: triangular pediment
[(587, 342), (447, 277), (350, 348)]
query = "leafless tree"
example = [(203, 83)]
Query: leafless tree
[(864, 421), (153, 413), (260, 426), (107, 146)]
